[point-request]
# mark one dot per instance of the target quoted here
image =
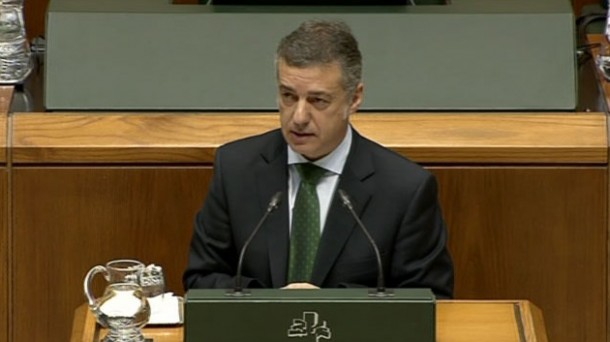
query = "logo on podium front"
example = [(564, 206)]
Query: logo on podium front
[(309, 326)]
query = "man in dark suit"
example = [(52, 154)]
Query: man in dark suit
[(319, 69)]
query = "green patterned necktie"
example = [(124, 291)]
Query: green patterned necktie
[(305, 234)]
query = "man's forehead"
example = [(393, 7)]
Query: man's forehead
[(311, 89), (317, 79)]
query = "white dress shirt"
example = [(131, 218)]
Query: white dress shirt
[(333, 163)]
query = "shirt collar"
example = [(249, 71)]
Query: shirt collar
[(334, 161)]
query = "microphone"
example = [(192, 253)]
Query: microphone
[(273, 204), (381, 290)]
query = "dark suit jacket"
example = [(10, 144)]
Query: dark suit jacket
[(395, 199)]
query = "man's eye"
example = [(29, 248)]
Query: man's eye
[(319, 102), (288, 97)]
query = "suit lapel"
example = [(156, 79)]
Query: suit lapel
[(271, 177), (340, 223)]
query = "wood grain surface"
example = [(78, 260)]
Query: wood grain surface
[(572, 138), (67, 220), (456, 321), (537, 233), (6, 94), (5, 248), (527, 220)]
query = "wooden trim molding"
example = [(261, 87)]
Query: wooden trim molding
[(6, 96), (459, 138)]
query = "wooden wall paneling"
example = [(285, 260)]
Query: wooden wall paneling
[(607, 301), (536, 233), (532, 233), (4, 257), (67, 220), (605, 88), (6, 95), (35, 17), (504, 252), (496, 235)]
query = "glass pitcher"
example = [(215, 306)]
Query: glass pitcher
[(123, 308)]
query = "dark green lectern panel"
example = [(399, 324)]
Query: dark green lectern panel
[(339, 315)]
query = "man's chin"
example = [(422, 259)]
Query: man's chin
[(303, 150)]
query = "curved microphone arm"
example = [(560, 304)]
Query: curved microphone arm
[(381, 290), (273, 204)]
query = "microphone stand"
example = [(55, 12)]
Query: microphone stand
[(238, 290), (380, 291)]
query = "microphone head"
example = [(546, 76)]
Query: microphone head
[(345, 198), (275, 201)]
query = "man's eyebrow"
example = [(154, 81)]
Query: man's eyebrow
[(283, 87), (320, 94)]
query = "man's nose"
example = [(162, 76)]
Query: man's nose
[(301, 113)]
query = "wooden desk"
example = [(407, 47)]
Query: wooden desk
[(457, 321)]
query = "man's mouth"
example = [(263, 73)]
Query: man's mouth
[(301, 137), (302, 134)]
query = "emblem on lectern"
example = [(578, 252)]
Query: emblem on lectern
[(310, 326)]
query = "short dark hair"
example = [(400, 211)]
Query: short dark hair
[(318, 42)]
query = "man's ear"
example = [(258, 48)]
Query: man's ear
[(357, 98)]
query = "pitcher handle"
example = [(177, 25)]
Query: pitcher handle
[(92, 301)]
